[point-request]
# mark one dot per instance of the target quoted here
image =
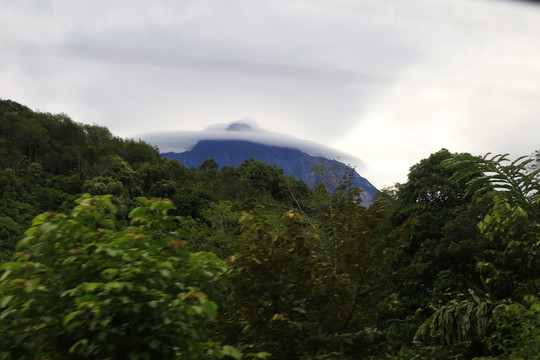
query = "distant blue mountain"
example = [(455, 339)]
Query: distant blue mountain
[(293, 161)]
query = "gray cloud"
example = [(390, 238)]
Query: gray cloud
[(385, 80), (268, 60)]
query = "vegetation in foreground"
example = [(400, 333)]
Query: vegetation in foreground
[(108, 251)]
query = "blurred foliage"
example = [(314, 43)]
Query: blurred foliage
[(83, 286)]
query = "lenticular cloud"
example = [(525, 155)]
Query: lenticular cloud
[(247, 130)]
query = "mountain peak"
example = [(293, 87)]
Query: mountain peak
[(239, 126)]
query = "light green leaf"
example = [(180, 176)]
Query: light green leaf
[(232, 352), (24, 242), (70, 316), (5, 300), (11, 266), (112, 252), (89, 287)]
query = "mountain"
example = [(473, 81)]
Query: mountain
[(293, 161), (232, 144)]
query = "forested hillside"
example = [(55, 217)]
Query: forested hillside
[(108, 251)]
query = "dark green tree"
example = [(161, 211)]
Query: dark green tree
[(503, 321), (442, 238), (310, 290)]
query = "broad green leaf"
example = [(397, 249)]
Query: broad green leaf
[(24, 242), (11, 266), (5, 300)]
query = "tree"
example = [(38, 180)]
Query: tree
[(329, 175), (510, 270), (512, 225), (208, 173), (84, 286), (220, 230), (274, 290), (310, 290), (9, 234), (263, 178), (440, 215), (441, 241)]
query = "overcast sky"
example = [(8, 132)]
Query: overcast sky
[(387, 81)]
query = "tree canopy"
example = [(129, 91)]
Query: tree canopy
[(108, 251)]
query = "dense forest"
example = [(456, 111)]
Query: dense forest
[(109, 251)]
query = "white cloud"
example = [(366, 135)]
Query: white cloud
[(245, 129)]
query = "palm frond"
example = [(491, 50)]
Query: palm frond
[(514, 179)]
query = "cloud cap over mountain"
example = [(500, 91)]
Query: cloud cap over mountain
[(246, 130)]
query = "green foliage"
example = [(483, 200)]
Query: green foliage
[(61, 145), (272, 284), (516, 261), (313, 274), (306, 291), (516, 332), (512, 178), (82, 286), (191, 201), (456, 322), (9, 235), (222, 227), (440, 237), (438, 209), (510, 270), (263, 178), (46, 158), (104, 185), (512, 267)]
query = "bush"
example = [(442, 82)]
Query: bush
[(82, 286)]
